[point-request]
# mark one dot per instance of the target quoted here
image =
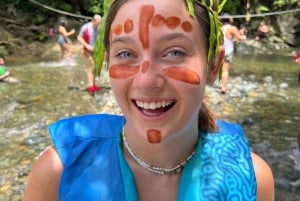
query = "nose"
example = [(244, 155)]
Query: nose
[(149, 77)]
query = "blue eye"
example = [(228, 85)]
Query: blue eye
[(124, 54), (175, 53)]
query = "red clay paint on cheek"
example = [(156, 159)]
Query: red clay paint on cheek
[(172, 22), (146, 15), (158, 21), (117, 30), (182, 74), (122, 71), (145, 66), (128, 26), (154, 136), (186, 26)]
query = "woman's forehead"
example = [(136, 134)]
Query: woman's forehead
[(164, 8)]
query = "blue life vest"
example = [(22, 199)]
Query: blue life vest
[(95, 170)]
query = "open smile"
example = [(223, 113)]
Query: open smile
[(154, 108)]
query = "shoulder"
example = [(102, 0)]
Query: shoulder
[(83, 126), (85, 26), (44, 177), (264, 178)]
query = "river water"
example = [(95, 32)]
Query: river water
[(264, 97)]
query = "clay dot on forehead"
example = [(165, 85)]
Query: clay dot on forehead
[(128, 26), (158, 21), (154, 136), (186, 26), (117, 30), (172, 22)]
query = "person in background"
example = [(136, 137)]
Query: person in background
[(87, 37), (167, 144), (231, 35), (64, 41), (296, 56), (262, 31), (243, 30), (5, 75)]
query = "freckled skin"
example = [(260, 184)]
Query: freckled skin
[(128, 26), (117, 30), (154, 136), (146, 16), (182, 74), (122, 71), (145, 66), (172, 22), (186, 26), (158, 21)]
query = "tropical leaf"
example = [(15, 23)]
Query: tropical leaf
[(99, 50)]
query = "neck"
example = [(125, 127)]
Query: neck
[(167, 154)]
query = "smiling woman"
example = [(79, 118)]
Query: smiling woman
[(160, 59)]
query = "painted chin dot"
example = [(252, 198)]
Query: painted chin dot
[(154, 136)]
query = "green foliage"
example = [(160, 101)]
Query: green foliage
[(99, 46), (261, 9), (43, 37), (279, 3), (65, 6), (39, 19), (95, 6), (233, 7)]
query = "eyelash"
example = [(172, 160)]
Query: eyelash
[(178, 53), (124, 54)]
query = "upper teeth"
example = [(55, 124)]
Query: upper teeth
[(153, 105)]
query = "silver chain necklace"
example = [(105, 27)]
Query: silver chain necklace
[(158, 170)]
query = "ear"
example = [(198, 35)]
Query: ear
[(215, 67)]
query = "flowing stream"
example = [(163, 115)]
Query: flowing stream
[(264, 97)]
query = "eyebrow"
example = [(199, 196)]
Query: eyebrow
[(167, 37), (172, 36), (122, 39)]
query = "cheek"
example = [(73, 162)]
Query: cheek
[(122, 72), (182, 74)]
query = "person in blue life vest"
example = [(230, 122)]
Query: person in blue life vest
[(167, 144), (87, 37)]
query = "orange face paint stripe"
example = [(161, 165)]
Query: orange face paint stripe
[(158, 21), (128, 26), (122, 72), (146, 15), (173, 22), (182, 74), (154, 136), (187, 26), (145, 66)]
